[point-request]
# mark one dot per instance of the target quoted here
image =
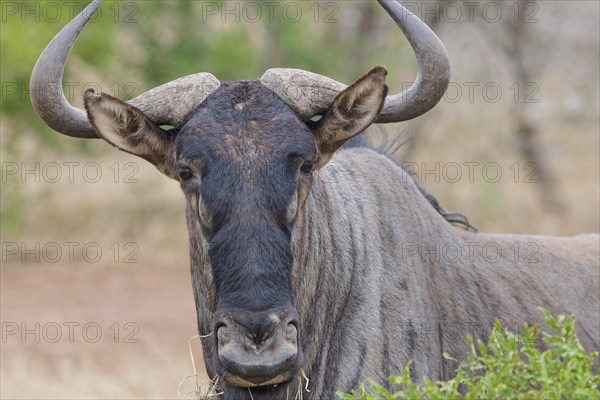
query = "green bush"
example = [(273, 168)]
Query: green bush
[(506, 368)]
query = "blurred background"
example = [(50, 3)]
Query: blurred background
[(96, 297)]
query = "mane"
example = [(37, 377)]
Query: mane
[(389, 147)]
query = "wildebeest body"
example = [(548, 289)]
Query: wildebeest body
[(369, 302)]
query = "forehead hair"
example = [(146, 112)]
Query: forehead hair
[(244, 121)]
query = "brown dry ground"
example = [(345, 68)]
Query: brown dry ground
[(146, 359)]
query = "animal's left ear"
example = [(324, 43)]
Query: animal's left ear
[(352, 111)]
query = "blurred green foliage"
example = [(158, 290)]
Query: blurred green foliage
[(129, 47)]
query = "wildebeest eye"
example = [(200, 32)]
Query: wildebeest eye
[(307, 167), (184, 173)]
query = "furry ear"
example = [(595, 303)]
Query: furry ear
[(127, 128), (352, 111)]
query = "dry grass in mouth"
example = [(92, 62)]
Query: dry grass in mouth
[(200, 391), (300, 393)]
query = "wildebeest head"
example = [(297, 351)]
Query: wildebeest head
[(244, 153), (244, 159)]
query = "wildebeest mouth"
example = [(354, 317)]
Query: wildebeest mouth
[(242, 383)]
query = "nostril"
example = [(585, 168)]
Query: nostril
[(223, 335), (290, 333), (224, 330)]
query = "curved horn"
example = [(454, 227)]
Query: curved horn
[(434, 68), (47, 96), (311, 94), (168, 104)]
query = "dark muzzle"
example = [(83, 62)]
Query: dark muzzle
[(257, 348)]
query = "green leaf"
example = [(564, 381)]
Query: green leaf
[(498, 370)]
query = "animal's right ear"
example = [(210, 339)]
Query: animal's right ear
[(352, 111), (129, 129)]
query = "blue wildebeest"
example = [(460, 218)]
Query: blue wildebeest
[(334, 274)]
